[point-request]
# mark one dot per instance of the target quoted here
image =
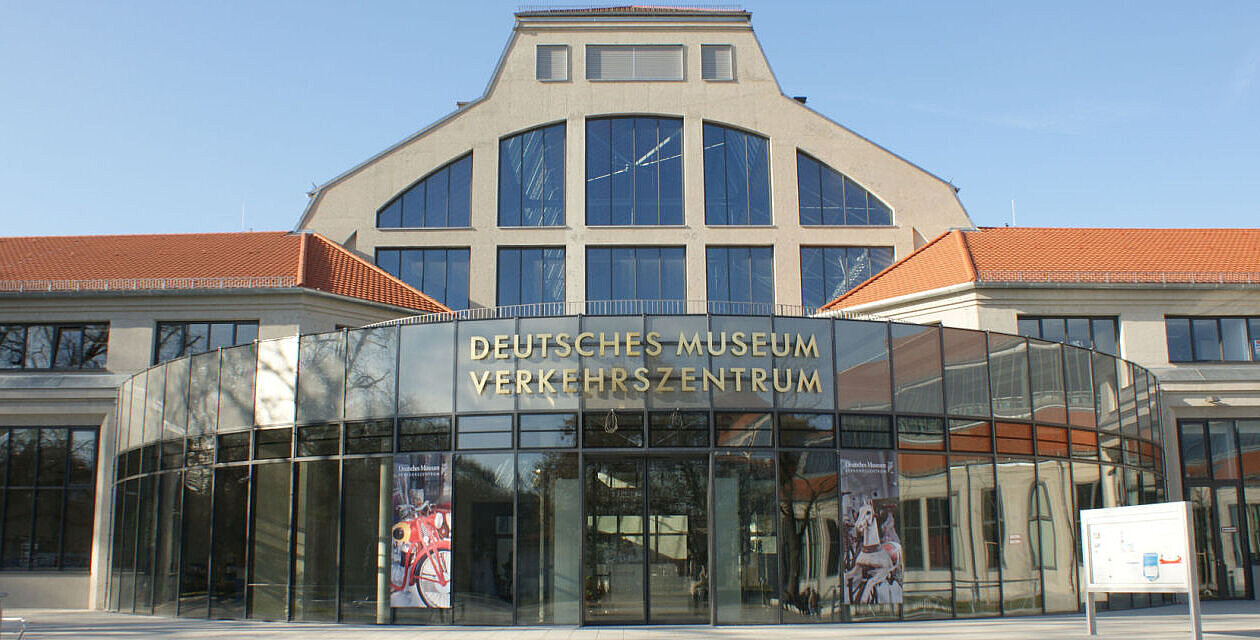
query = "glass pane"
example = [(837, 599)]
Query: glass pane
[(39, 347), (365, 529), (1106, 393), (810, 550), (315, 541), (227, 580), (276, 381), (370, 382), (745, 569), (863, 380), (1224, 452), (1205, 549), (1019, 546), (1178, 331), (917, 368), (236, 399), (269, 548), (744, 429), (1235, 563), (678, 535), (195, 543), (1105, 339), (1249, 450), (975, 536), (484, 432), (1234, 339), (678, 429), (321, 376), (547, 572), (539, 430), (966, 372), (1207, 342), (925, 535), (428, 387), (1045, 364), (1080, 388), (613, 576), (861, 431), (1056, 516), (1008, 373), (807, 430)]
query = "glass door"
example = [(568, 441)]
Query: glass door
[(647, 541), (614, 570)]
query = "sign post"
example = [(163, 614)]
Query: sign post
[(1142, 549)]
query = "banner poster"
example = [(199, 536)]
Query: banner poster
[(873, 569), (420, 555)]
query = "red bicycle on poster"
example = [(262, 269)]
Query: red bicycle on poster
[(422, 540)]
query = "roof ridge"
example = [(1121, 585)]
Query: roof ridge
[(872, 279), (146, 235), (301, 259), (970, 260), (354, 256)]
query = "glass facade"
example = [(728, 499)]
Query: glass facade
[(634, 173), (736, 177), (828, 272), (531, 178), (442, 274), (637, 469), (440, 199)]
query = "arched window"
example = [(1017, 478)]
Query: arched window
[(634, 171), (736, 177), (531, 178), (828, 197), (440, 199)]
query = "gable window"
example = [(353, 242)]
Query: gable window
[(1200, 339), (828, 272), (552, 62), (717, 62), (440, 273), (634, 171), (828, 197), (531, 178), (740, 274), (644, 274), (532, 276), (440, 199), (736, 177), (175, 339), (53, 346), (1090, 333), (644, 62)]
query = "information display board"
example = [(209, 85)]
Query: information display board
[(1140, 549)]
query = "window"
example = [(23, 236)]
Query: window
[(635, 273), (532, 276), (736, 177), (49, 497), (440, 273), (552, 62), (1213, 339), (1092, 333), (634, 171), (717, 62), (53, 346), (440, 199), (175, 339), (828, 197), (828, 272), (531, 178), (740, 274), (634, 62)]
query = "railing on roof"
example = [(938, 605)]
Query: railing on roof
[(620, 308), (1118, 277), (148, 284)]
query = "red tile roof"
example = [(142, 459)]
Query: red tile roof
[(266, 259), (1032, 255)]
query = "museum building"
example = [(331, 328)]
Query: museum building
[(632, 414)]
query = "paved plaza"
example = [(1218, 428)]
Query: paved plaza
[(1222, 620)]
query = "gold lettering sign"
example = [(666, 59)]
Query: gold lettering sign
[(755, 376)]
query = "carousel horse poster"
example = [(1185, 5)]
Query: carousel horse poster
[(873, 571)]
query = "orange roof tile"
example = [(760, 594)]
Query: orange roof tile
[(1050, 254), (267, 259)]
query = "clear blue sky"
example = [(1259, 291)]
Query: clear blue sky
[(169, 116)]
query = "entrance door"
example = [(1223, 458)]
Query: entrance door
[(1218, 531), (646, 540)]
